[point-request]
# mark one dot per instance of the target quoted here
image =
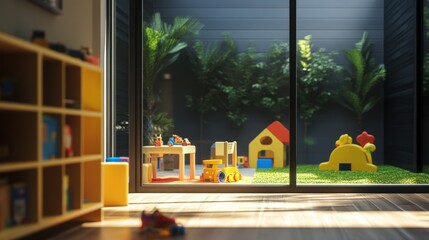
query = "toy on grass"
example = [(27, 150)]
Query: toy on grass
[(352, 157), (270, 144), (214, 171), (222, 150), (158, 141), (176, 140), (161, 225)]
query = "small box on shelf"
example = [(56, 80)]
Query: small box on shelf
[(50, 137), (19, 194)]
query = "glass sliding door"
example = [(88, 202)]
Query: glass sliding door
[(215, 92), (358, 93)]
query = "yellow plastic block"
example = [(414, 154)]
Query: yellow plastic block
[(115, 183), (147, 173)]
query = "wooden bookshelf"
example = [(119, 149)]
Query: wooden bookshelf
[(50, 90)]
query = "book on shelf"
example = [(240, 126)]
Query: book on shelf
[(19, 203), (50, 137)]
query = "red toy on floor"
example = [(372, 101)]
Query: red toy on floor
[(157, 223)]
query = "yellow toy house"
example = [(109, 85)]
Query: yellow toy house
[(269, 145)]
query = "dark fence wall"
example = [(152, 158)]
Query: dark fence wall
[(425, 98), (122, 73), (400, 87), (334, 24)]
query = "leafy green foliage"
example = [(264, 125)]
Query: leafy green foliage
[(238, 74), (162, 45), (162, 124), (426, 17), (315, 71), (364, 75), (206, 63), (310, 174), (271, 89)]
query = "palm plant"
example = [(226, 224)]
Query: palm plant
[(364, 76), (162, 45)]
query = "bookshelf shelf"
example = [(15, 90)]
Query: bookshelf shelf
[(51, 136)]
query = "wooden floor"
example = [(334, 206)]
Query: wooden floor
[(270, 216)]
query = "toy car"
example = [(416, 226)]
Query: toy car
[(176, 140), (214, 171), (161, 225)]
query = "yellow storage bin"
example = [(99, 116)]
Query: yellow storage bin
[(115, 183)]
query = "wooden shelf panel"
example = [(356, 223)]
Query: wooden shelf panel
[(91, 135), (91, 98), (46, 222), (18, 106), (75, 112), (9, 167), (10, 44), (63, 161)]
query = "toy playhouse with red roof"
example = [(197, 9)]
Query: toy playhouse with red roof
[(268, 149)]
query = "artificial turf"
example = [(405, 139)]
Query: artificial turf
[(310, 174)]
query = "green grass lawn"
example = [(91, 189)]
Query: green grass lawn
[(310, 174)]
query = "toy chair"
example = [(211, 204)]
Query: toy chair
[(222, 150)]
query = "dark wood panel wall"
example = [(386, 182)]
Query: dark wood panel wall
[(334, 24), (400, 87)]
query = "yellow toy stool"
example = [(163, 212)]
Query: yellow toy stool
[(115, 183)]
